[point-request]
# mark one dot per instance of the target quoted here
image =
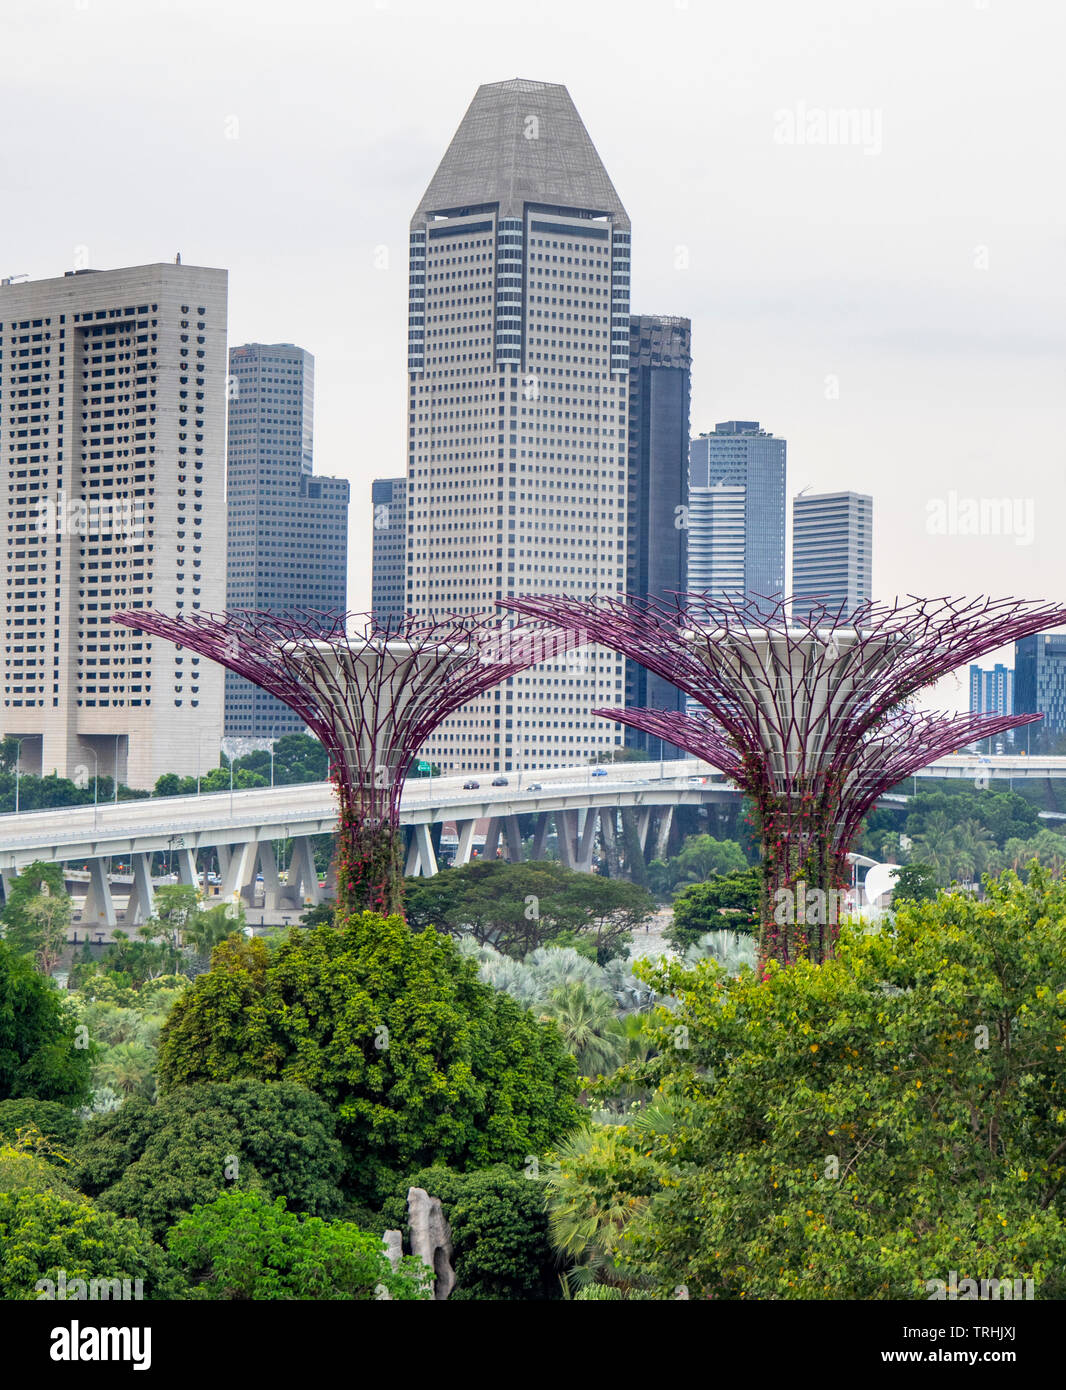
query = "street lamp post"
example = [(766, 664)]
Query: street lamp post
[(18, 772), (96, 784)]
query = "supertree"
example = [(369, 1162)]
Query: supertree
[(372, 692), (803, 710), (809, 829)]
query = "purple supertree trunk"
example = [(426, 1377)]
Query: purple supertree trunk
[(372, 697), (807, 824), (806, 714)]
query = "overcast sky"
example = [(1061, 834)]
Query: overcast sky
[(893, 305)]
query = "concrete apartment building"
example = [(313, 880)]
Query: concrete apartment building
[(518, 365), (112, 465), (287, 529), (832, 551), (388, 497)]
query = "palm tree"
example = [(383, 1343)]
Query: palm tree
[(586, 1019), (588, 1212), (732, 950), (128, 1067), (935, 845)]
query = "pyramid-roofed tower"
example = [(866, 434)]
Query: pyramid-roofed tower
[(521, 141), (518, 374)]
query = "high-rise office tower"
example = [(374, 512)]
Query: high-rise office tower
[(992, 692), (660, 363), (736, 538), (112, 434), (518, 362), (388, 585), (288, 529), (1040, 687), (832, 551)]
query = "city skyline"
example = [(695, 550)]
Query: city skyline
[(904, 333)]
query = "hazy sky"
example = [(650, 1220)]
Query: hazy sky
[(887, 292)]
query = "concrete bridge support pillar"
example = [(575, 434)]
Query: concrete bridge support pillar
[(587, 842), (98, 908), (240, 871), (303, 878), (662, 836), (141, 905), (7, 882), (421, 860), (492, 838), (514, 839), (610, 841), (540, 835), (186, 866), (566, 834), (271, 883), (466, 830)]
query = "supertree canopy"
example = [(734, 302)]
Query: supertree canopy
[(808, 715), (372, 692), (811, 823)]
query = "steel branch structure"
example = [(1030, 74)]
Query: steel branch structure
[(373, 693), (817, 825), (809, 715)]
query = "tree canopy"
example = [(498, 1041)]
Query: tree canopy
[(394, 1030), (518, 907), (724, 901), (156, 1162), (242, 1246), (855, 1129), (43, 1233), (40, 1053)]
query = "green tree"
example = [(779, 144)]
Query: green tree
[(855, 1129), (726, 900), (47, 918), (518, 907), (243, 1246), (42, 1233), (40, 1054), (393, 1029), (914, 883), (154, 1162), (499, 1230), (20, 929), (50, 1118)]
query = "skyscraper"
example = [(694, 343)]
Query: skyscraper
[(1040, 684), (288, 529), (388, 584), (518, 362), (992, 692), (112, 416), (736, 539), (832, 550), (660, 363)]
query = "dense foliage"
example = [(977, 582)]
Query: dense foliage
[(243, 1246), (725, 901), (419, 1059), (700, 858), (39, 1046), (155, 1162), (51, 1118), (43, 1233), (855, 1129)]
